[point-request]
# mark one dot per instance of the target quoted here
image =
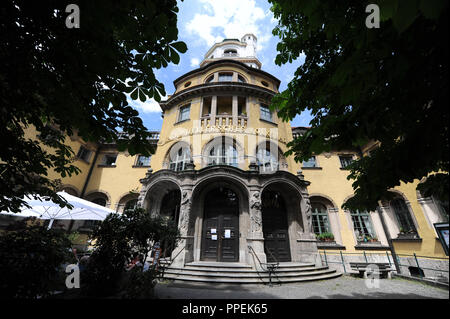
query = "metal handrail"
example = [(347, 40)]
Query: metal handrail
[(270, 270)]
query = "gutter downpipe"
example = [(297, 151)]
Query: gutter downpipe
[(90, 172)]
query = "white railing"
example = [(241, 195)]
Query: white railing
[(223, 120)]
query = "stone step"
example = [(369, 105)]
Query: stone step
[(258, 280), (242, 271), (225, 265), (254, 274)]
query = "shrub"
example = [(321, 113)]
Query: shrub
[(119, 237), (31, 261)]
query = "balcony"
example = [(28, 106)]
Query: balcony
[(223, 120)]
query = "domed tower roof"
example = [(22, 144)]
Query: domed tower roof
[(243, 50)]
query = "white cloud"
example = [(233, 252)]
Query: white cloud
[(230, 19), (149, 106), (195, 62)]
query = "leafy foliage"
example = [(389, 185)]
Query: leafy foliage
[(118, 238), (63, 81), (31, 261), (387, 84)]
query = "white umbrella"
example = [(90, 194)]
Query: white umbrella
[(46, 209)]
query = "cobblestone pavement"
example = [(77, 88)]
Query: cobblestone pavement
[(344, 287)]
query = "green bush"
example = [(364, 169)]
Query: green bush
[(31, 261), (118, 238)]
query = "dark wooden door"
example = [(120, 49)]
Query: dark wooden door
[(275, 228), (220, 235)]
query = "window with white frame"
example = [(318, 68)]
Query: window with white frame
[(311, 162), (223, 153), (143, 160), (184, 113), (267, 160), (265, 112), (362, 225), (345, 160), (320, 219), (179, 159)]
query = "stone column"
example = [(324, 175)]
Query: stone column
[(235, 110), (185, 245), (256, 238), (307, 243), (213, 110)]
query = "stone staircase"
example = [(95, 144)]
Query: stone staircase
[(236, 273)]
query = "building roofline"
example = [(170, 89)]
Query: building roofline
[(224, 61)]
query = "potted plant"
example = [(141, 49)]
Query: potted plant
[(325, 236)]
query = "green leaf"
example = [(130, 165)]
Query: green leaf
[(179, 46)]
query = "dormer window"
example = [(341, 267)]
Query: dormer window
[(230, 52)]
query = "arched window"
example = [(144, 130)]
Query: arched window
[(362, 226), (210, 79), (130, 205), (320, 220), (241, 79), (230, 52), (267, 160), (223, 153), (403, 216), (179, 158), (99, 201)]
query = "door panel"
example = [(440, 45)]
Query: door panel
[(221, 214), (275, 228)]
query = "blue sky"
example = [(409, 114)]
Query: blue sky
[(201, 23)]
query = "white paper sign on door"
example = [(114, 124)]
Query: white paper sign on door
[(227, 233), (213, 230), (213, 237)]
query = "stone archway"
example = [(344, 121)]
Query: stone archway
[(234, 218)]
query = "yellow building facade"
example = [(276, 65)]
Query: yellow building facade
[(220, 172)]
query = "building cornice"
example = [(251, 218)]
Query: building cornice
[(216, 87), (225, 62)]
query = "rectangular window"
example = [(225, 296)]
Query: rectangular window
[(310, 162), (84, 154), (345, 160), (184, 113), (143, 160), (362, 225), (109, 159), (265, 113), (225, 77)]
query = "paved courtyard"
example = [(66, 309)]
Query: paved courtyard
[(344, 287)]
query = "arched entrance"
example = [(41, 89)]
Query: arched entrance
[(275, 227), (220, 231)]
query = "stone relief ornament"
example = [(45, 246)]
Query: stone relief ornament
[(255, 218), (184, 212), (255, 201)]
